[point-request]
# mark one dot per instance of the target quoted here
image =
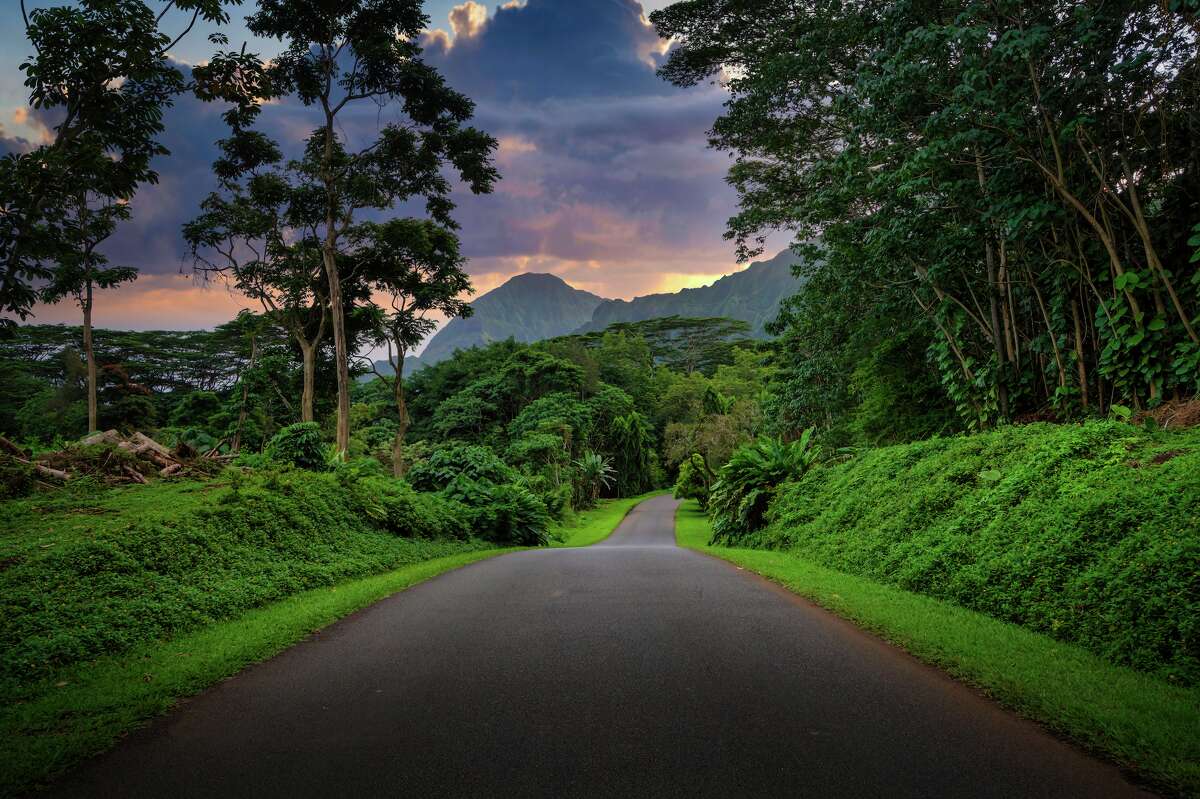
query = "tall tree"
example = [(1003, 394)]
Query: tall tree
[(101, 73), (416, 264), (258, 228), (338, 55), (81, 271), (1019, 178)]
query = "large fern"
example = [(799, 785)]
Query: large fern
[(743, 491)]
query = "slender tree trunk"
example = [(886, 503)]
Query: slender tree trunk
[(398, 467), (90, 354), (329, 257), (1079, 362), (340, 349), (308, 356), (237, 435), (1143, 229), (999, 335)]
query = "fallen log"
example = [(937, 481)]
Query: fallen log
[(144, 442), (174, 468), (11, 448), (46, 471), (135, 475), (102, 437)]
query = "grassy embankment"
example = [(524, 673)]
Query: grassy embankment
[(596, 524), (118, 602), (1077, 512)]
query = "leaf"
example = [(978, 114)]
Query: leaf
[(1157, 323), (991, 475)]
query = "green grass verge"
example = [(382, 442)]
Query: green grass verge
[(1146, 725), (592, 526), (84, 709)]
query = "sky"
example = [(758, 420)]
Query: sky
[(607, 180)]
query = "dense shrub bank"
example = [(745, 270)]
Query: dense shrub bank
[(251, 540), (1089, 533)]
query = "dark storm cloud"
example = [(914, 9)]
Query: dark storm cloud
[(601, 158), (552, 48), (606, 175)]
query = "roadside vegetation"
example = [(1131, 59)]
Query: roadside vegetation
[(980, 415), (974, 430)]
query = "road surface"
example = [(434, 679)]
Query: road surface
[(630, 668)]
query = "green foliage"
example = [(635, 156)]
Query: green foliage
[(593, 474), (1086, 533), (1000, 231), (695, 480), (514, 516), (195, 409), (16, 478), (78, 585), (633, 454), (453, 461), (682, 344), (299, 445), (740, 497)]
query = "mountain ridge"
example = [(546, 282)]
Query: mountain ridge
[(533, 306)]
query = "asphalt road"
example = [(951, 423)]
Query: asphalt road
[(631, 668)]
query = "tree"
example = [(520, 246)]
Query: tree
[(81, 271), (344, 53), (100, 68), (416, 264), (634, 448), (258, 227), (1011, 180)]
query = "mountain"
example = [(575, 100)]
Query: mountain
[(529, 307), (752, 295), (532, 307)]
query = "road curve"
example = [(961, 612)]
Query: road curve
[(630, 668)]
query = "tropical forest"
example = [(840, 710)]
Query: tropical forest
[(600, 398)]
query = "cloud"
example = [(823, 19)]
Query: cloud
[(468, 19), (607, 177)]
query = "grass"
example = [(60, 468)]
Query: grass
[(84, 709), (1146, 725), (592, 526), (1088, 533)]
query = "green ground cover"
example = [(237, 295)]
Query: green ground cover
[(1142, 723), (1089, 533), (596, 524), (82, 710), (119, 602), (90, 572)]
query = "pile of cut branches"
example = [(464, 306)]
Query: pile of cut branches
[(115, 458)]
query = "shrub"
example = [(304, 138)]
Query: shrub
[(451, 461), (695, 480), (1088, 533), (300, 445), (146, 573), (504, 514), (740, 497), (16, 478), (593, 473), (516, 516)]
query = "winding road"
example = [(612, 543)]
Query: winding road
[(629, 668)]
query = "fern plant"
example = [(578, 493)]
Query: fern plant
[(593, 473), (742, 493)]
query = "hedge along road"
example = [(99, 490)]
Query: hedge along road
[(629, 668)]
